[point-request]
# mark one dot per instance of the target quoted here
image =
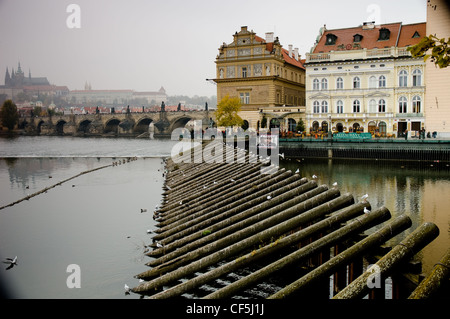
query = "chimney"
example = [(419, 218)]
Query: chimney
[(243, 28), (296, 53), (368, 25), (269, 37), (290, 50)]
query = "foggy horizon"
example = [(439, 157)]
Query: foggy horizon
[(145, 45)]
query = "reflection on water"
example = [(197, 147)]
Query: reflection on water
[(419, 190), (94, 220)]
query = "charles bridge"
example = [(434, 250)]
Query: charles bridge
[(160, 124)]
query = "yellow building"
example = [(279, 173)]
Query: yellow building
[(437, 97), (362, 79), (268, 79)]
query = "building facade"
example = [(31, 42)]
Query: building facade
[(266, 77), (363, 79), (437, 96), (117, 97)]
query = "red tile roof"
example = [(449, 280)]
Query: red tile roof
[(287, 58), (400, 35), (408, 31)]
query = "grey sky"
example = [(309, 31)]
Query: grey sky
[(143, 45)]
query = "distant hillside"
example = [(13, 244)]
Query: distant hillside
[(193, 101)]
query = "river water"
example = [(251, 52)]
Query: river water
[(94, 223)]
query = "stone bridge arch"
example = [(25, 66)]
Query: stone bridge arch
[(112, 125), (142, 125), (59, 127), (180, 122), (83, 126)]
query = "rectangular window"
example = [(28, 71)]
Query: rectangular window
[(244, 72), (244, 97)]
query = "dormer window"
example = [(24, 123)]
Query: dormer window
[(384, 34), (357, 38), (331, 39)]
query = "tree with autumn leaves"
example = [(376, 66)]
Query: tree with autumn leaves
[(438, 50), (227, 112)]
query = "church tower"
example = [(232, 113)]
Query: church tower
[(7, 78)]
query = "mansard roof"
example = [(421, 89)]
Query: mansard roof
[(398, 36)]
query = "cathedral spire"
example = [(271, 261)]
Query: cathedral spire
[(7, 77), (19, 69)]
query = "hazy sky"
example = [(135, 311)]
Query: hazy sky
[(145, 44)]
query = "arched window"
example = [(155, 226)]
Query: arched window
[(417, 77), (381, 106), (324, 107), (416, 103), (403, 78), (372, 106), (339, 83), (372, 82), (402, 105), (382, 128), (382, 81), (324, 84), (340, 107), (315, 84), (315, 126), (316, 108), (356, 82), (356, 106), (371, 127), (292, 124)]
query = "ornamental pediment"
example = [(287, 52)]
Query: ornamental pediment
[(377, 94), (319, 96)]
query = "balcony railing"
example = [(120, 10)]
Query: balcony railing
[(357, 54)]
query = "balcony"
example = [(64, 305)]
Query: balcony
[(350, 116), (356, 54)]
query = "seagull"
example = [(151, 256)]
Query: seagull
[(314, 176), (281, 155), (11, 261), (143, 210), (364, 197), (366, 211), (232, 180), (149, 231), (335, 184), (159, 245), (127, 289), (297, 171), (269, 197)]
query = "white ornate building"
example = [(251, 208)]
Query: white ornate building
[(363, 79)]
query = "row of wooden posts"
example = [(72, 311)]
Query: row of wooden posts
[(220, 218)]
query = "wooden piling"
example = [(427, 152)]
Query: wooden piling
[(383, 234), (435, 280), (240, 241), (408, 247), (335, 219)]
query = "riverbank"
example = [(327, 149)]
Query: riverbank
[(433, 150)]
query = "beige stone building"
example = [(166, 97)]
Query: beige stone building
[(268, 79), (362, 79), (437, 97)]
